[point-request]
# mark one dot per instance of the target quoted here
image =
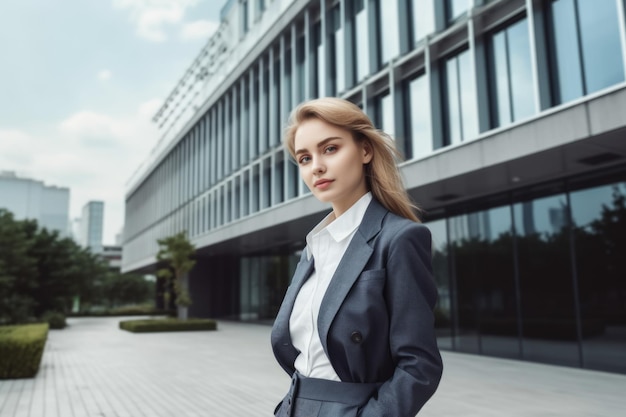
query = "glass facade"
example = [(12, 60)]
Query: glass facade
[(537, 277), (532, 273)]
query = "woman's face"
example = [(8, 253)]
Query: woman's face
[(331, 163)]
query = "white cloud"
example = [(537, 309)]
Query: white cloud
[(94, 154), (151, 17), (104, 75), (200, 29)]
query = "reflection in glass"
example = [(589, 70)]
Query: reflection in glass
[(546, 283), (263, 282), (388, 29), (482, 246), (423, 19), (511, 75), (586, 54), (441, 272), (600, 39), (567, 71), (599, 221), (419, 118)]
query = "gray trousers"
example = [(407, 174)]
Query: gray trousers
[(312, 397)]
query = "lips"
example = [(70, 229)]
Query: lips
[(323, 183)]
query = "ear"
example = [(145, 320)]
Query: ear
[(366, 149)]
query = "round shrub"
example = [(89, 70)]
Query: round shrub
[(54, 319)]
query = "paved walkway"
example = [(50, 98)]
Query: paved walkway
[(94, 369)]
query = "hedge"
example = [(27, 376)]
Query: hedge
[(167, 325), (21, 349)]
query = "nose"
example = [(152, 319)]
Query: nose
[(318, 166)]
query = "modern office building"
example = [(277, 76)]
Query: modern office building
[(511, 116), (92, 226), (31, 199)]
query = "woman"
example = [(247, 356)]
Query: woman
[(356, 327)]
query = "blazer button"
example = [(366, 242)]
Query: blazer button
[(356, 337)]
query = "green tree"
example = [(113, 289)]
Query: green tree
[(18, 272), (123, 289), (176, 252), (41, 272)]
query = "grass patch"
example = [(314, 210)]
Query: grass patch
[(21, 349), (167, 325)]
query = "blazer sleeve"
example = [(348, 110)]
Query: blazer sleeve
[(411, 295)]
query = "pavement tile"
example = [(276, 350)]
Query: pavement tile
[(94, 369)]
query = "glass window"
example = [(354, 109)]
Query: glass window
[(255, 189), (384, 116), (287, 84), (461, 112), (244, 118), (317, 65), (441, 272), (388, 29), (292, 178), (456, 8), (423, 19), (277, 91), (245, 197), (265, 109), (485, 301), (237, 199), (255, 106), (245, 25), (599, 222), (545, 276), (361, 35), (300, 82), (279, 178), (419, 118), (511, 75), (266, 197), (586, 52), (338, 52), (228, 196)]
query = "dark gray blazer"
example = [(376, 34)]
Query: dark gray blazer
[(376, 320)]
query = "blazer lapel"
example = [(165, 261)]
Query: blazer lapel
[(350, 267)]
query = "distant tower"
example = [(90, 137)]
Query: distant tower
[(32, 199), (91, 226)]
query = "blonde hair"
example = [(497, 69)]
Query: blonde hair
[(381, 173)]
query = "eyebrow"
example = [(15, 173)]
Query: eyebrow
[(319, 145)]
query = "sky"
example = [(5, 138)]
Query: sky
[(79, 83)]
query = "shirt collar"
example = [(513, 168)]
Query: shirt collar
[(343, 226)]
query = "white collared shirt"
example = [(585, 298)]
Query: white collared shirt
[(326, 243)]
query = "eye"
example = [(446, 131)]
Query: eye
[(330, 149), (304, 159)]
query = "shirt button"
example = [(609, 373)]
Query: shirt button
[(356, 337)]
